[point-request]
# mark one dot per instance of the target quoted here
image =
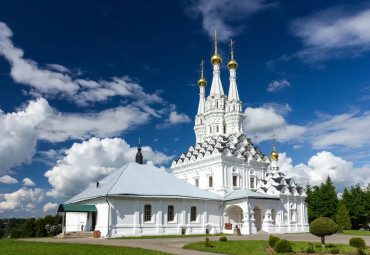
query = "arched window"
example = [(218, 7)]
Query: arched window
[(193, 213), (210, 130), (147, 213), (201, 122), (170, 213), (210, 181), (216, 104), (196, 182), (217, 129), (235, 180)]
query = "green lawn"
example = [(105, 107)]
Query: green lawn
[(258, 247), (355, 232), (167, 236), (10, 247)]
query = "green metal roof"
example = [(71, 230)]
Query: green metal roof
[(76, 208)]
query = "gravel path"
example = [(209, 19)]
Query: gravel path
[(174, 245)]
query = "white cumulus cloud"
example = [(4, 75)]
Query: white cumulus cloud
[(174, 118), (28, 182), (91, 160), (49, 206), (319, 166), (278, 85), (259, 123), (23, 199), (7, 179)]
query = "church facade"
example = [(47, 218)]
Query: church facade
[(221, 183)]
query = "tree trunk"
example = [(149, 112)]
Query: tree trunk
[(323, 241)]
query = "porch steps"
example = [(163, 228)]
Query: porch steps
[(75, 234)]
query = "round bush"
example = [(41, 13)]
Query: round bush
[(357, 242), (283, 246), (273, 240), (223, 239), (323, 227), (15, 233)]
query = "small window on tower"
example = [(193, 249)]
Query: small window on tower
[(210, 130), (235, 180), (210, 181), (197, 182), (217, 129), (224, 129), (201, 121), (252, 183)]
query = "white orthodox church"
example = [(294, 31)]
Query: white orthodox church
[(221, 183)]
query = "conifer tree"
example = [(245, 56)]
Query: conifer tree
[(343, 219)]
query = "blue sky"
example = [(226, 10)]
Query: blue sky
[(80, 81)]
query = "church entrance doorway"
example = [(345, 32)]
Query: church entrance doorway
[(258, 217), (235, 216)]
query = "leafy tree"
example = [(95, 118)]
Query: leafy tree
[(357, 201), (15, 233), (322, 201), (29, 228), (49, 220), (2, 232), (40, 227), (57, 219), (322, 227), (343, 219)]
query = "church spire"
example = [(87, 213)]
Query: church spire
[(202, 85), (274, 156), (232, 65), (216, 60), (139, 155)]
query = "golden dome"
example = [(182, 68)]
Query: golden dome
[(216, 59), (274, 155), (202, 82), (232, 64)]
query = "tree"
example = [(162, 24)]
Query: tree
[(29, 228), (40, 227), (2, 232), (343, 219), (357, 201), (322, 227), (322, 201), (15, 233)]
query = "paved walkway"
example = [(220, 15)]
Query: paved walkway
[(174, 245)]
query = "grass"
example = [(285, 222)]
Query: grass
[(10, 247), (355, 232), (258, 247), (167, 236)]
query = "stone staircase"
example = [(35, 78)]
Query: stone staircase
[(75, 234)]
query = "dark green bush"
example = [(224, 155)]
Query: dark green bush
[(283, 246), (334, 251), (310, 248), (29, 228), (361, 251), (2, 232), (357, 242), (273, 240), (208, 243), (223, 239), (15, 233)]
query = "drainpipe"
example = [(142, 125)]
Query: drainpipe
[(106, 199), (222, 217)]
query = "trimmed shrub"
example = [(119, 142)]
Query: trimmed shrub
[(361, 251), (283, 246), (223, 239), (208, 243), (357, 242), (310, 248), (334, 251), (322, 227), (273, 240), (15, 233)]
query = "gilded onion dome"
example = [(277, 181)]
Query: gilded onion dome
[(274, 154), (216, 58), (232, 63), (202, 81)]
